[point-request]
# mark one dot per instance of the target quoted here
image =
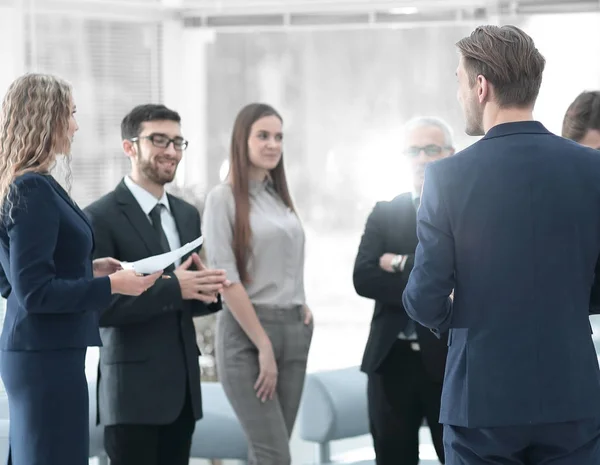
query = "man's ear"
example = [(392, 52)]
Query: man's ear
[(129, 148), (483, 90)]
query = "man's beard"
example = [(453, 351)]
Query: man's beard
[(153, 173)]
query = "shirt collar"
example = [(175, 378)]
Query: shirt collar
[(146, 200), (256, 187)]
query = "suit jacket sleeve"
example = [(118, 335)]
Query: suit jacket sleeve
[(33, 234), (5, 288), (595, 295), (370, 280), (426, 297)]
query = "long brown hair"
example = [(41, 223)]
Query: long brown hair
[(239, 168), (582, 115), (34, 124)]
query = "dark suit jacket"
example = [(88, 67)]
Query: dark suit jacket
[(512, 223), (46, 274), (391, 228), (149, 355)]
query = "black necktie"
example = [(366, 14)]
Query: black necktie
[(157, 224)]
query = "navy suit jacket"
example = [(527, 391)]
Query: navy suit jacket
[(512, 224), (46, 244)]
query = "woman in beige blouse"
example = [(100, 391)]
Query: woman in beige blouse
[(252, 231)]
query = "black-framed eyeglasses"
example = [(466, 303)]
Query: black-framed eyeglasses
[(162, 141), (431, 150)]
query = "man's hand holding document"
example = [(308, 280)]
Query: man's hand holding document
[(200, 284), (156, 263)]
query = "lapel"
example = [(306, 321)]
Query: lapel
[(63, 193), (183, 222), (402, 225), (137, 218)]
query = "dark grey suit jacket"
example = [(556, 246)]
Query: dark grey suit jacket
[(392, 228), (149, 355)]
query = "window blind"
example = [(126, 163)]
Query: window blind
[(113, 66)]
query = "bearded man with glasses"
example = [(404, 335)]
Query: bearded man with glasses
[(149, 378), (403, 360)]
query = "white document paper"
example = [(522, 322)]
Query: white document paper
[(160, 262)]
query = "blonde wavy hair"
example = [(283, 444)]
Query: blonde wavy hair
[(34, 124)]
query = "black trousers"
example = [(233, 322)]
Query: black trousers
[(401, 394), (152, 444)]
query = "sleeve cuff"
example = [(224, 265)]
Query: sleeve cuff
[(101, 292)]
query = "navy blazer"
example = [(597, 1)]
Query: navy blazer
[(47, 274), (512, 224)]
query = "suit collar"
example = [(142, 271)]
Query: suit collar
[(145, 199), (520, 127), (141, 223), (183, 220), (137, 218), (67, 198)]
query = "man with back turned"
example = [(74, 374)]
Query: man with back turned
[(512, 225)]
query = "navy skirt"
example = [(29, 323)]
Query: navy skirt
[(48, 406)]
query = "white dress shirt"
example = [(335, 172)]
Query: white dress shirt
[(147, 202)]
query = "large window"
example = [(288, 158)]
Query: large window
[(344, 96), (113, 66)]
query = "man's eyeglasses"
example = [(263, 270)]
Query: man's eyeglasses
[(431, 150), (162, 141)]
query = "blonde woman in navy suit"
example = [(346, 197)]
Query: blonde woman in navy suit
[(54, 290)]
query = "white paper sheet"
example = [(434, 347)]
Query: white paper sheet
[(156, 263)]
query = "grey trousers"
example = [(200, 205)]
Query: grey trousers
[(268, 426)]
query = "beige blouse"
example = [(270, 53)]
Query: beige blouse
[(276, 261)]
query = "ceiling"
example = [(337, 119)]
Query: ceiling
[(235, 15), (347, 6), (326, 14)]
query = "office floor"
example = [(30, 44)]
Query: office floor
[(345, 451)]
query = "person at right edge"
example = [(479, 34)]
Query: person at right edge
[(263, 335), (511, 225), (582, 120)]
